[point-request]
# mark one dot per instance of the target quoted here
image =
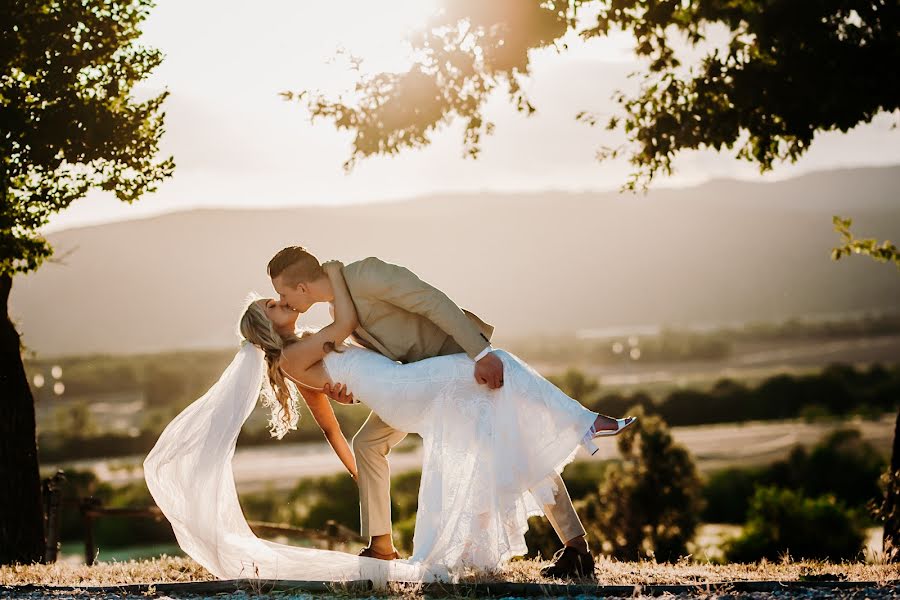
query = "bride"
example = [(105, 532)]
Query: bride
[(489, 455)]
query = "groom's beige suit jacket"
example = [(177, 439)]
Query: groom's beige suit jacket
[(406, 319)]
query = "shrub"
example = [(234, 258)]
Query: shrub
[(727, 494), (648, 505), (405, 495), (541, 539), (404, 530), (335, 497), (843, 465), (576, 384), (109, 531), (782, 521)]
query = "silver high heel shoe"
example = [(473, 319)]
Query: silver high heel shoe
[(588, 440)]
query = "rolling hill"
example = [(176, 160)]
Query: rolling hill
[(528, 263)]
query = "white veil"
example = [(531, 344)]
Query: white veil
[(189, 474)]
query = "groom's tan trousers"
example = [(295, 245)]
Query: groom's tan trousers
[(371, 446)]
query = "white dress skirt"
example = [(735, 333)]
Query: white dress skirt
[(489, 458)]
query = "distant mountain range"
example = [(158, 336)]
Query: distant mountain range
[(528, 263)]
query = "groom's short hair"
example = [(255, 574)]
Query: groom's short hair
[(295, 265)]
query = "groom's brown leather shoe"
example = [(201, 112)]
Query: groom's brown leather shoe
[(368, 552), (570, 563)]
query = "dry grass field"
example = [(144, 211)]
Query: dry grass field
[(609, 572)]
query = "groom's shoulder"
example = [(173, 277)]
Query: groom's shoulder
[(364, 262), (362, 267), (373, 271), (369, 265)]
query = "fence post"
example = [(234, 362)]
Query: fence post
[(53, 497), (88, 505), (331, 531)]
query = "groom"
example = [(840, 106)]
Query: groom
[(407, 320)]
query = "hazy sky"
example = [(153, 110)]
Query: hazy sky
[(237, 143)]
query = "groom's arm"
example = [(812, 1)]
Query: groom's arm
[(401, 287)]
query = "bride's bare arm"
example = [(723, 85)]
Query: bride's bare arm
[(309, 350), (345, 317), (324, 415)]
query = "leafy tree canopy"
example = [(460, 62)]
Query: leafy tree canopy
[(789, 70), (68, 121)]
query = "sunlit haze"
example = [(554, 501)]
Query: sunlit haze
[(236, 142), (479, 323)]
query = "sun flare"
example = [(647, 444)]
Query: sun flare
[(378, 33)]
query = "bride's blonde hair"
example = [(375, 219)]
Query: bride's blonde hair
[(258, 329)]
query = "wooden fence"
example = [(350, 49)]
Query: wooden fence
[(92, 509)]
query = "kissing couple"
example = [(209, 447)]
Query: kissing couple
[(496, 435)]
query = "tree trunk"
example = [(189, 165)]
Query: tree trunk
[(890, 509), (21, 513)]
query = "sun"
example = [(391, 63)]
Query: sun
[(376, 32)]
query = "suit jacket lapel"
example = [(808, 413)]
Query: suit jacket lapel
[(371, 339)]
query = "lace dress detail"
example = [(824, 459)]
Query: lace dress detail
[(488, 454)]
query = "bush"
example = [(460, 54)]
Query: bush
[(575, 384), (649, 505), (815, 412), (838, 390), (541, 539), (617, 404), (782, 521), (405, 495), (404, 531), (727, 494), (322, 499), (843, 465), (109, 531), (584, 477)]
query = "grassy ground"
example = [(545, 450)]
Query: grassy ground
[(609, 572)]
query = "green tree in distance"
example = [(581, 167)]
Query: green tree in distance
[(68, 123), (576, 385)]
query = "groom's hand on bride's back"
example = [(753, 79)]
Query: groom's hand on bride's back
[(489, 371), (339, 393)]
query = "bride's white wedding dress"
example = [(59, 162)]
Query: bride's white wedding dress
[(488, 460)]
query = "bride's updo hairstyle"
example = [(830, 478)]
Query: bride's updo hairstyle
[(256, 328)]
